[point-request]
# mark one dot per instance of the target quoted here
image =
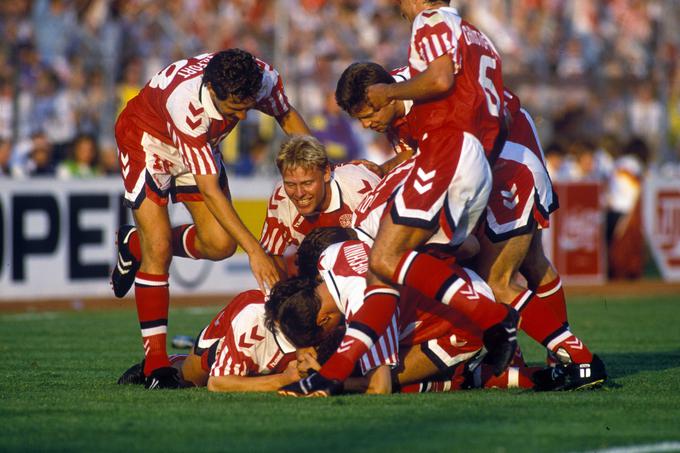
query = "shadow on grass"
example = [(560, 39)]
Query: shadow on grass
[(621, 364)]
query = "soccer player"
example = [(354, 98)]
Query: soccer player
[(458, 119), (235, 352), (443, 337), (519, 204), (312, 193), (167, 138)]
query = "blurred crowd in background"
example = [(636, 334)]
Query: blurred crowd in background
[(601, 78)]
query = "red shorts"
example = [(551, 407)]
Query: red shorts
[(522, 193), (154, 169), (448, 186)]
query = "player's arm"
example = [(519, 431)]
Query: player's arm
[(266, 383), (388, 165), (292, 123), (436, 80), (378, 381), (414, 366), (220, 206)]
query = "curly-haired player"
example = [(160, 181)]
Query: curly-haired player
[(167, 138)]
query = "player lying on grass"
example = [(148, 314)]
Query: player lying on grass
[(235, 352), (434, 342), (520, 202)]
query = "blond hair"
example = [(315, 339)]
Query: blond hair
[(303, 151)]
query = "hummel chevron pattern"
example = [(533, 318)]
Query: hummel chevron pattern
[(425, 178), (510, 198)]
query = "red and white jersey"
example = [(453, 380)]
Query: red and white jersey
[(285, 226), (245, 347), (343, 267), (475, 105), (178, 115)]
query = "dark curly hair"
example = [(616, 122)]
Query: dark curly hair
[(350, 92), (233, 72), (315, 243), (293, 305)]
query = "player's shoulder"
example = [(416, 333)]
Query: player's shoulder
[(270, 78), (250, 302), (353, 172), (348, 258), (436, 16)]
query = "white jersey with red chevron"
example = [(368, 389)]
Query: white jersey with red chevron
[(343, 267), (285, 226), (246, 347), (447, 337), (180, 121)]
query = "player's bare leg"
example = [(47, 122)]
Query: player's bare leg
[(151, 292), (210, 240), (499, 264), (192, 371)]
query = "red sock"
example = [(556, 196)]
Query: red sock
[(553, 295), (367, 325), (541, 324), (184, 242), (153, 300), (513, 377), (448, 283), (134, 246)]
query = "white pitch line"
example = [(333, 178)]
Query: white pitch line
[(648, 448), (46, 315)]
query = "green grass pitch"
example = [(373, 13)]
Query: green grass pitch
[(58, 393)]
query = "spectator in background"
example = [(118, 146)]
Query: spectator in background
[(5, 154), (335, 130), (645, 114), (624, 222), (130, 84), (40, 158), (108, 158), (555, 161), (82, 162)]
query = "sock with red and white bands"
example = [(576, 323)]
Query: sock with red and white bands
[(183, 239), (541, 324), (184, 242), (448, 284), (153, 300), (552, 294), (366, 326)]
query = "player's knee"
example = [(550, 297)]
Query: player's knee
[(218, 247)]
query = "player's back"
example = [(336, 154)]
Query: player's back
[(474, 104)]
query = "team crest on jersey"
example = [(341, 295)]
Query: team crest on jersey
[(345, 220)]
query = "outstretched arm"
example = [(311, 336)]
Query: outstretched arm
[(292, 123), (436, 80), (220, 206)]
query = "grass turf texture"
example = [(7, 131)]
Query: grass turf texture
[(58, 393)]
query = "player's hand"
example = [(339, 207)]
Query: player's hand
[(264, 270), (307, 362), (290, 374), (313, 386), (376, 95)]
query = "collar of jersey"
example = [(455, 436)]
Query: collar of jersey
[(207, 103), (336, 197)]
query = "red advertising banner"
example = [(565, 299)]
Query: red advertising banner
[(661, 218), (575, 241)]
